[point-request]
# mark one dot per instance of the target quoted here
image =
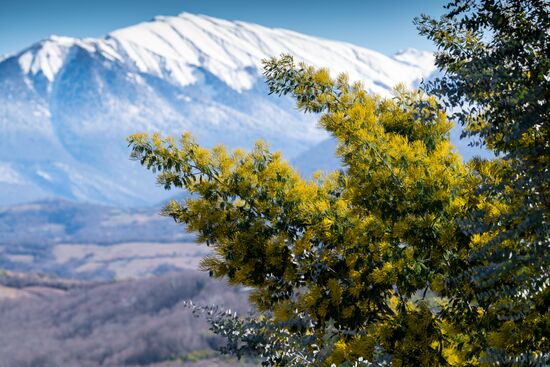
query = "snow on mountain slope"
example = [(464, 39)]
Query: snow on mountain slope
[(47, 57), (422, 59), (67, 104), (232, 51)]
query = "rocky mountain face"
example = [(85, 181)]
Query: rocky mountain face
[(67, 105)]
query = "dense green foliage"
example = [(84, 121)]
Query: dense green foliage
[(496, 59), (405, 256)]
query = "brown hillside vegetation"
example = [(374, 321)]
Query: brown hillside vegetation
[(144, 322)]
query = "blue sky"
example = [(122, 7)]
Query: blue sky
[(383, 25)]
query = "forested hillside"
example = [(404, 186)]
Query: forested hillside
[(55, 322)]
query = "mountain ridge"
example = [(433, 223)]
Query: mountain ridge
[(156, 38)]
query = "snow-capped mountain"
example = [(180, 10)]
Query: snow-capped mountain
[(67, 104)]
